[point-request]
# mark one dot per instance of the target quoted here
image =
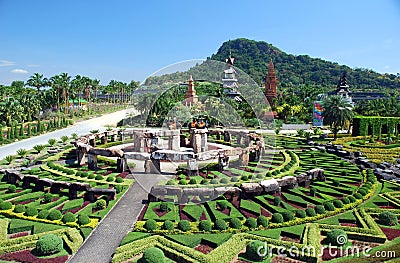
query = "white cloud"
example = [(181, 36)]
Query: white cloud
[(19, 71), (4, 63)]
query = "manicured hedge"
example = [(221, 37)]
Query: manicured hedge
[(49, 244)]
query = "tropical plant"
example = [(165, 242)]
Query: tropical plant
[(9, 159), (39, 147), (37, 81), (337, 112), (64, 138), (52, 141), (22, 152)]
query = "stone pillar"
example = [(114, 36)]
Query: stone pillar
[(150, 168), (80, 156), (89, 196), (227, 136), (92, 161), (92, 142), (121, 165), (174, 143), (103, 139), (183, 141), (244, 158), (239, 139), (138, 142), (54, 189), (193, 167), (114, 137), (204, 146), (218, 135), (198, 139), (157, 165)]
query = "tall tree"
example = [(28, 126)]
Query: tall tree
[(337, 112), (37, 81)]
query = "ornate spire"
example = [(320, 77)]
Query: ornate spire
[(230, 60), (271, 83), (343, 81), (190, 96)]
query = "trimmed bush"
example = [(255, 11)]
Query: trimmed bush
[(168, 225), (54, 215), (49, 244), (287, 216), (338, 203), (91, 176), (43, 214), (388, 218), (31, 211), (277, 218), (224, 180), (5, 205), (234, 179), (235, 223), (251, 222), (12, 188), (277, 201), (163, 207), (110, 179), (100, 204), (48, 197), (220, 224), (83, 220), (244, 177), (214, 181), (313, 191), (183, 182), (68, 217), (150, 225), (345, 200), (205, 225), (336, 237), (262, 221), (301, 213), (351, 198), (311, 212), (329, 206), (222, 204), (99, 177), (19, 208), (119, 180), (184, 225), (153, 255), (362, 192), (192, 181), (336, 183), (319, 209), (253, 249), (358, 196)]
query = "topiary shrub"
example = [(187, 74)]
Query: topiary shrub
[(12, 188), (287, 216), (99, 177), (222, 204), (83, 220), (234, 179), (48, 245), (54, 215), (319, 209), (251, 222), (260, 176), (338, 203), (192, 181), (205, 225), (358, 196), (91, 176), (204, 181), (152, 255), (169, 182), (100, 204), (329, 206), (277, 218), (277, 201), (43, 214), (214, 181), (5, 205), (336, 237), (345, 200), (163, 207), (220, 224), (168, 225), (262, 221), (313, 191), (244, 177), (301, 213), (235, 223), (184, 225), (119, 180), (352, 199), (311, 212), (19, 208), (224, 180), (31, 211), (48, 197), (253, 251), (336, 183), (110, 179), (388, 218), (150, 225), (362, 192), (68, 217), (183, 182)]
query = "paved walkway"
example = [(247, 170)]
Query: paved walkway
[(102, 243)]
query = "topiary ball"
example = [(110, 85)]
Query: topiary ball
[(110, 179), (119, 180), (100, 204), (311, 212), (184, 225), (12, 188), (329, 206), (277, 201), (351, 198), (262, 221), (251, 222), (48, 197), (301, 213), (277, 218), (31, 211), (235, 223), (345, 200), (83, 220), (256, 250), (99, 177), (153, 255), (168, 225), (338, 203), (220, 224), (54, 215), (205, 225), (358, 196), (68, 218), (49, 244), (43, 214), (319, 209), (362, 192), (19, 208), (5, 205), (224, 180), (223, 204), (287, 216), (336, 237), (150, 225), (388, 218), (164, 207), (192, 181)]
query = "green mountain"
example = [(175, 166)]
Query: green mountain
[(253, 57)]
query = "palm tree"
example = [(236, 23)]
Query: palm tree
[(65, 88), (37, 80), (55, 83), (76, 85), (337, 112)]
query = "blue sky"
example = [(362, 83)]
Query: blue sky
[(127, 40)]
